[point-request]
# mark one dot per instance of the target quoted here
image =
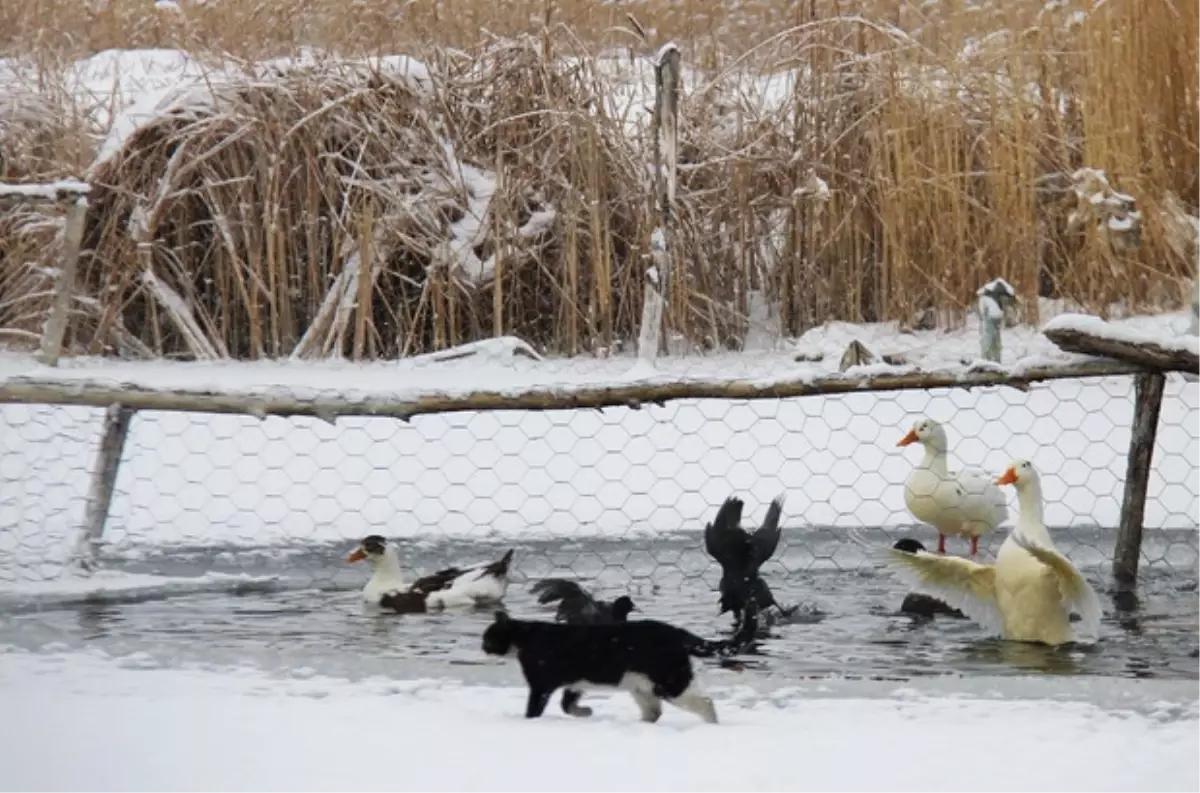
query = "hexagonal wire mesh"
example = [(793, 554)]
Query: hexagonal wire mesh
[(615, 498)]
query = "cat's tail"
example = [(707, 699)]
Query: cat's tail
[(739, 642)]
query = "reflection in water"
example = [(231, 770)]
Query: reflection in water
[(1065, 659), (1130, 622), (97, 619), (1139, 667), (381, 627), (1125, 601)]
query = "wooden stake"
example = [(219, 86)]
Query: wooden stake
[(993, 298), (104, 481), (1147, 403), (55, 329)]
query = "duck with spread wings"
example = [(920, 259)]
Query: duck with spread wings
[(741, 554), (578, 606)]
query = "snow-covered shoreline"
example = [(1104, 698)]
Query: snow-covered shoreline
[(91, 722)]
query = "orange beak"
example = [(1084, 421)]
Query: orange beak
[(357, 555), (911, 437), (1009, 477)]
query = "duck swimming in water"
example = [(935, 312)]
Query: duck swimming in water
[(482, 584)]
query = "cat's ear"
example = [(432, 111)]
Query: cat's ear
[(501, 617)]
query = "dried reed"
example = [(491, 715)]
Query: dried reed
[(258, 222)]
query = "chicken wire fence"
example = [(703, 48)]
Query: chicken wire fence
[(620, 494)]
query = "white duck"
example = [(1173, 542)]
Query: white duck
[(480, 584), (1031, 590), (963, 503)]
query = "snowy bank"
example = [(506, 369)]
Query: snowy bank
[(113, 586), (85, 722)]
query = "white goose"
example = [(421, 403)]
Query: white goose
[(1031, 590), (963, 503), (480, 584)]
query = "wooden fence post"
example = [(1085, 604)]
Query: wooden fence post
[(104, 481), (1147, 403), (55, 329), (993, 298), (665, 129)]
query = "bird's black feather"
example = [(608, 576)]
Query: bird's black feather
[(741, 555), (577, 606)]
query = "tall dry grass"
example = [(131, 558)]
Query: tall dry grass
[(260, 223)]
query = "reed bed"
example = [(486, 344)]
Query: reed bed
[(874, 163)]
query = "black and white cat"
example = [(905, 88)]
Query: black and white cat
[(649, 659)]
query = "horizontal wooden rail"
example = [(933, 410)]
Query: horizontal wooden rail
[(413, 400)]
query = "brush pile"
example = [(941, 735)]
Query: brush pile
[(254, 215)]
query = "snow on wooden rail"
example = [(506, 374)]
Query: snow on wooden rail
[(1089, 335), (402, 395)]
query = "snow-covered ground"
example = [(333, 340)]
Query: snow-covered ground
[(97, 723)]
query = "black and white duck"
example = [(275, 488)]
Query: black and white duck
[(478, 585)]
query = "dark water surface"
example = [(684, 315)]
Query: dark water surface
[(847, 628)]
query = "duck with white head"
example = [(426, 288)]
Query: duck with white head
[(483, 584), (964, 503), (1030, 592)]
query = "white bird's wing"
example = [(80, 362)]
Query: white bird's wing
[(1077, 594), (961, 583)]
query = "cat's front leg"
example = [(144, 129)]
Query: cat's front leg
[(571, 706), (538, 699)]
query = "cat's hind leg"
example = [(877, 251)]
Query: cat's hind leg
[(695, 700), (538, 699), (571, 706), (643, 691), (649, 705)]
